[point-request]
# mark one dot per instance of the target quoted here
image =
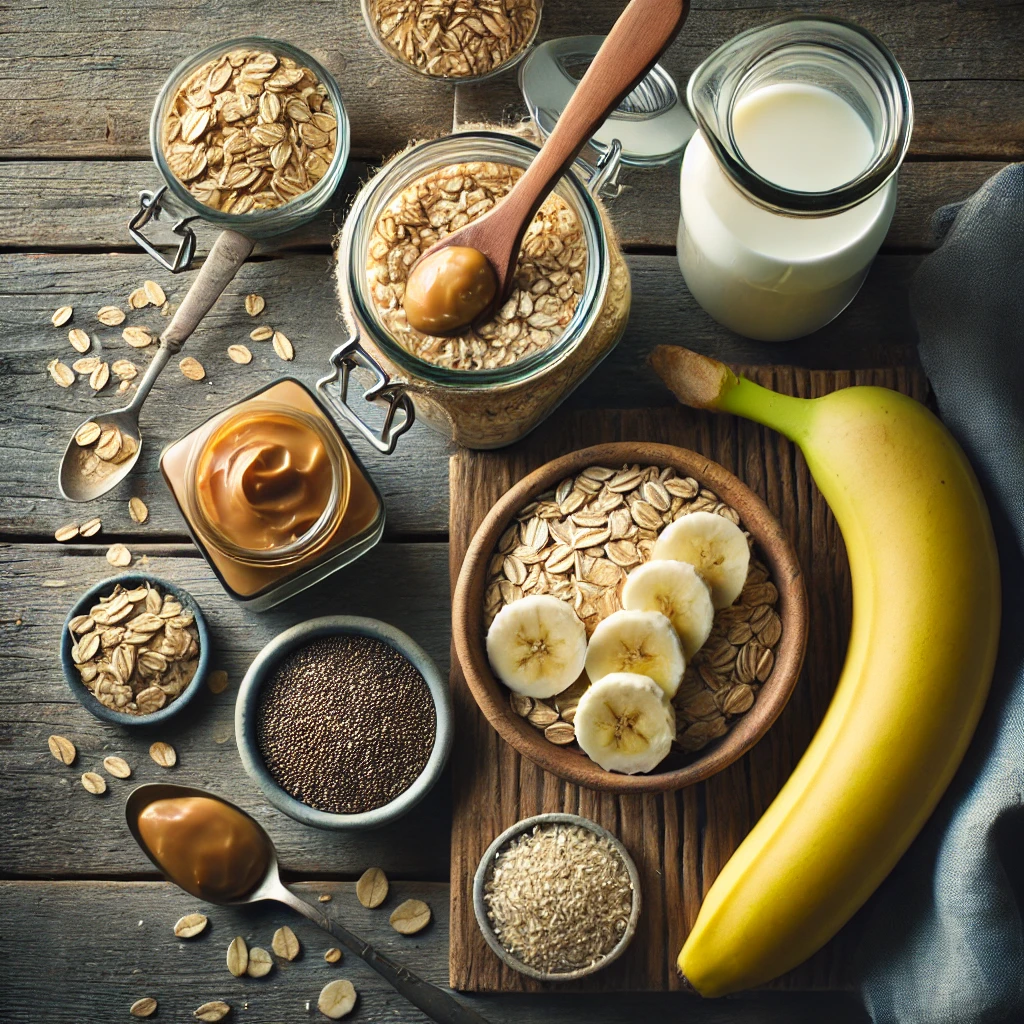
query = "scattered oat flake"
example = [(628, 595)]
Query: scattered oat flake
[(144, 1007), (164, 754), (254, 304), (238, 956), (239, 354), (137, 510), (117, 766), (154, 293), (99, 377), (62, 748), (260, 962), (123, 386), (110, 315), (261, 333), (285, 943), (333, 955), (137, 337), (67, 532), (86, 364), (138, 299), (337, 998), (62, 316), (192, 368), (217, 681), (79, 339), (94, 783), (324, 897), (410, 917), (189, 926), (125, 369), (283, 347), (90, 527), (119, 556), (212, 1012), (61, 373), (372, 888)]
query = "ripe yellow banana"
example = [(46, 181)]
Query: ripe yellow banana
[(925, 630)]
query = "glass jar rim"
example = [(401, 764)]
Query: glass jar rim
[(766, 193), (317, 534), (382, 188), (258, 223)]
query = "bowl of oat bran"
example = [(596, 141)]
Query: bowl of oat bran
[(735, 686)]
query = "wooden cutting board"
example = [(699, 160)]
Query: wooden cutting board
[(681, 840)]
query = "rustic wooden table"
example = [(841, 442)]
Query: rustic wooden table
[(86, 927)]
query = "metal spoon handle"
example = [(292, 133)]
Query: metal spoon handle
[(229, 252), (433, 1001)]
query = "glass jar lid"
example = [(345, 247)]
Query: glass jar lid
[(652, 124)]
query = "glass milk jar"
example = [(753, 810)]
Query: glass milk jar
[(788, 188)]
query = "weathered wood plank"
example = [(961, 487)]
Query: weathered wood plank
[(53, 827), (39, 416), (964, 61), (80, 79), (85, 205), (102, 945)]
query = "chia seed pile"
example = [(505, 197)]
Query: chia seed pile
[(346, 724), (559, 898)]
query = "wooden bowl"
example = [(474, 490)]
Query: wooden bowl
[(570, 763)]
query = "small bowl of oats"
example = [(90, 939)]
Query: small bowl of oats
[(135, 650), (631, 617)]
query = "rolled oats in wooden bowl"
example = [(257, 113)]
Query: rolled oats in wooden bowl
[(576, 530)]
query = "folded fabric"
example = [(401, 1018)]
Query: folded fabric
[(944, 940)]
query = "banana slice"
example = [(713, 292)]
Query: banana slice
[(639, 642), (677, 591), (537, 645), (625, 723), (714, 546)]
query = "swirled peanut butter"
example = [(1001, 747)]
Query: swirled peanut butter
[(264, 478), (209, 848)]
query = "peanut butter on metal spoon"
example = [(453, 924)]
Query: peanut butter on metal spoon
[(218, 853), (446, 293)]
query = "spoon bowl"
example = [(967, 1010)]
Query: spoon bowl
[(437, 1004), (78, 485)]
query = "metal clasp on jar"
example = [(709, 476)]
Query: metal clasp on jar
[(399, 411), (150, 208)]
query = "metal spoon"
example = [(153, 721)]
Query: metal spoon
[(229, 252), (434, 1002)]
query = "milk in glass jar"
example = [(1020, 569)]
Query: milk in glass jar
[(788, 188)]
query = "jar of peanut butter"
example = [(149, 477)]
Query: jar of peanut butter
[(272, 494)]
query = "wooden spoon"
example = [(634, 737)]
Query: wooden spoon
[(640, 36)]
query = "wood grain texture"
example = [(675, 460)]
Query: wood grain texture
[(964, 62), (679, 841), (80, 78), (68, 832), (39, 416), (85, 204), (85, 951)]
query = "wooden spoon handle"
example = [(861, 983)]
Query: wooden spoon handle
[(640, 36)]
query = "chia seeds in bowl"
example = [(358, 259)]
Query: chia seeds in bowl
[(343, 722)]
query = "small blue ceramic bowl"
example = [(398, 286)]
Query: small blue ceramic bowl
[(129, 581), (263, 668)]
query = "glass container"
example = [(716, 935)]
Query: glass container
[(775, 262), (351, 523), (485, 408), (175, 200)]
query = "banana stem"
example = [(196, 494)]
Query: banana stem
[(789, 416)]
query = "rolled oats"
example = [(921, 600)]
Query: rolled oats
[(79, 339), (61, 316), (110, 316), (249, 131), (254, 304), (549, 275), (239, 354), (455, 38), (192, 368), (578, 542)]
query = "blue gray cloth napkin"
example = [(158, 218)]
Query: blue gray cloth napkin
[(944, 940)]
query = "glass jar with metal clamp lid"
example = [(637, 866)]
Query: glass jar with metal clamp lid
[(491, 385)]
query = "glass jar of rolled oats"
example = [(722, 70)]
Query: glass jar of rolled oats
[(492, 384)]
